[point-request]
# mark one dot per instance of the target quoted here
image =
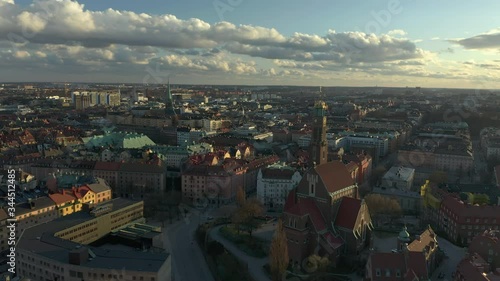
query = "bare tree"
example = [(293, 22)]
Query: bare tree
[(278, 254)]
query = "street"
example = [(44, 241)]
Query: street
[(480, 163), (455, 255), (188, 263), (255, 265)]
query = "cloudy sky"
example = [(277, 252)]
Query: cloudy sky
[(280, 42)]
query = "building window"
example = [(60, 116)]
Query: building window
[(377, 272)]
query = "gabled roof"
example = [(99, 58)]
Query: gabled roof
[(414, 266), (334, 242), (61, 198), (99, 187), (270, 173), (305, 207), (348, 212), (107, 166), (334, 175), (426, 241)]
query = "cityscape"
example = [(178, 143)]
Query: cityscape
[(249, 141)]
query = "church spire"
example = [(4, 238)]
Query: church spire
[(319, 146)]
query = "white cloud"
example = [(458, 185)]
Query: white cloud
[(487, 40), (64, 37), (22, 55), (397, 32)]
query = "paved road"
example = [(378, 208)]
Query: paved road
[(188, 263), (480, 163), (449, 265), (255, 265)]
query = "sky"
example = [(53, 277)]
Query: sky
[(393, 43)]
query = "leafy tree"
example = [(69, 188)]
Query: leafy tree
[(315, 263), (278, 254), (250, 211), (383, 205)]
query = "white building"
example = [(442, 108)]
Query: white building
[(399, 177), (381, 144), (274, 182), (211, 125)]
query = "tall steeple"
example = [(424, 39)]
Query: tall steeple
[(318, 152)]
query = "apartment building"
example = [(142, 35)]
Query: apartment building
[(214, 180), (398, 177), (460, 220), (273, 184), (482, 260), (60, 250)]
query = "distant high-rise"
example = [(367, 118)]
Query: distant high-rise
[(318, 152)]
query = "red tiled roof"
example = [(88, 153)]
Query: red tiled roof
[(81, 191), (334, 242), (417, 262), (305, 206), (270, 173), (59, 198), (384, 261), (348, 212), (107, 166), (334, 175), (463, 211), (468, 271), (351, 166)]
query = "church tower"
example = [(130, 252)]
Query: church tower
[(318, 152)]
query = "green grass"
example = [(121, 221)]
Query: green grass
[(252, 246)]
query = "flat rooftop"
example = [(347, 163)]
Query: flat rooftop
[(399, 173), (41, 241)]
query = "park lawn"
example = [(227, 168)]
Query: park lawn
[(252, 246)]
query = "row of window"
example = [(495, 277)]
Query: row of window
[(388, 272)]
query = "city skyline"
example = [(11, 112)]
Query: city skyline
[(385, 43)]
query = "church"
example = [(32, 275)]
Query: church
[(323, 215)]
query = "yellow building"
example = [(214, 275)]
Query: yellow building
[(72, 200), (60, 250)]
